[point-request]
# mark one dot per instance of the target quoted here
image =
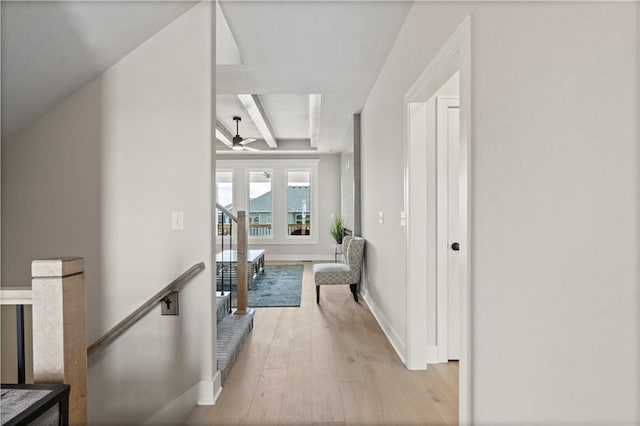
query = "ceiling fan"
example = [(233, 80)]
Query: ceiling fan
[(239, 143)]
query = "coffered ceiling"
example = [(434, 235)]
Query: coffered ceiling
[(290, 50)]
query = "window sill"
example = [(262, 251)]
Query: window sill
[(284, 241)]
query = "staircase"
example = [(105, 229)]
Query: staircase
[(233, 331)]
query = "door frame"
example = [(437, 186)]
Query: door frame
[(454, 55)]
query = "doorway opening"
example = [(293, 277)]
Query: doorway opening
[(438, 123)]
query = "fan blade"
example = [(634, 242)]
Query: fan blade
[(246, 148), (248, 140)]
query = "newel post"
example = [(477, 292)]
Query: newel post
[(59, 336), (242, 247)]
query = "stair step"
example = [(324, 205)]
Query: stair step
[(233, 330), (223, 304)]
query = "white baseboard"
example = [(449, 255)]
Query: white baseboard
[(217, 387), (299, 257), (389, 331), (209, 390)]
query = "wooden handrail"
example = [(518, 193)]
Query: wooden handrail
[(226, 212), (241, 264), (123, 325)]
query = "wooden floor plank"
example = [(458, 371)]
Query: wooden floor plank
[(362, 403), (267, 400), (328, 364)]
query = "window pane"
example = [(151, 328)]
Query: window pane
[(260, 203), (224, 197), (299, 203)]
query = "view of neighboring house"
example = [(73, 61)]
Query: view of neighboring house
[(261, 211), (298, 215)]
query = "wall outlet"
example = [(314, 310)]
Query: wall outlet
[(177, 221), (380, 218), (403, 219), (170, 304)]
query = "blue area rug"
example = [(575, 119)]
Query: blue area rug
[(278, 286)]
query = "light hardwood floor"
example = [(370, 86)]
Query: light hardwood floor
[(328, 364)]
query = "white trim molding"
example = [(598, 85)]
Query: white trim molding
[(455, 55), (392, 335), (209, 390), (298, 257)]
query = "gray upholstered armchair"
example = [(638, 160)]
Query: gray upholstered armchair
[(342, 273)]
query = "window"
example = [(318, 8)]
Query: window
[(224, 197), (260, 203), (299, 202), (279, 196)]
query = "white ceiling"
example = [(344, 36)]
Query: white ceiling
[(289, 48), (50, 49), (288, 115)]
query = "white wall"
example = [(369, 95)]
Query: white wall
[(555, 199), (99, 176), (328, 200), (554, 209)]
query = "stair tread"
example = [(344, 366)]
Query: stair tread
[(232, 332), (222, 306)]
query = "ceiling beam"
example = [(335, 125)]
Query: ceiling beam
[(285, 146), (315, 102), (253, 106), (223, 134)]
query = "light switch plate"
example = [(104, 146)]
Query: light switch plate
[(380, 218), (177, 221), (170, 304)]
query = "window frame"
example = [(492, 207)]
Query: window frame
[(248, 172), (312, 225), (233, 192), (279, 182)]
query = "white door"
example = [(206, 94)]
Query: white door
[(450, 264)]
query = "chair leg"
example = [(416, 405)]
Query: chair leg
[(317, 294), (354, 290)]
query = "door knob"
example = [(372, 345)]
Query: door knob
[(455, 246)]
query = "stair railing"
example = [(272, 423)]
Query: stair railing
[(224, 269), (145, 308), (57, 296), (18, 297), (231, 260)]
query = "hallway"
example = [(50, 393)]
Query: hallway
[(328, 363)]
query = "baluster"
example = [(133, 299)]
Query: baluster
[(222, 216), (20, 342), (230, 264)]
